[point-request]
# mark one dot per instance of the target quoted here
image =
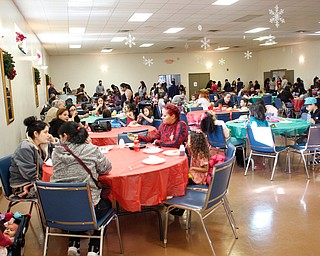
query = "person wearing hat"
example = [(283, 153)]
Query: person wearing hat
[(313, 110)]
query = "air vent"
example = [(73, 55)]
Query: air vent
[(301, 31), (195, 38), (247, 18), (124, 30), (213, 30), (236, 46)]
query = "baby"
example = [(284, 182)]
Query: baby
[(7, 236)]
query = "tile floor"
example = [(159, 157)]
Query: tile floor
[(274, 218)]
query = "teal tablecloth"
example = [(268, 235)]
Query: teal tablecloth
[(289, 127), (255, 98), (91, 119)]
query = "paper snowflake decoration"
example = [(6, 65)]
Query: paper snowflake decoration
[(199, 27), (276, 16), (205, 43), (147, 62), (186, 46), (130, 40), (222, 61), (200, 59), (248, 55)]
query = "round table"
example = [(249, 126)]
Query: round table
[(91, 119), (255, 98), (288, 127), (135, 184), (111, 137), (194, 117)]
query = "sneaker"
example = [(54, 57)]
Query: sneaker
[(93, 251), (73, 251), (92, 254)]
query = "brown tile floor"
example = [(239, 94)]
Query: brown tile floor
[(274, 218)]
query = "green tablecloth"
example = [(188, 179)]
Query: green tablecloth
[(255, 98), (91, 119), (289, 127)]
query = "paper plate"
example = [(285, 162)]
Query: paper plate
[(105, 149), (153, 150), (129, 144), (153, 160), (174, 152)]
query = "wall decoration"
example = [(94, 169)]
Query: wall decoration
[(205, 43), (8, 61), (21, 42), (276, 16), (39, 58), (35, 86), (147, 62), (5, 82), (222, 62), (247, 55), (37, 77), (130, 40), (199, 27)]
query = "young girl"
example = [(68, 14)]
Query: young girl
[(146, 118), (129, 109), (200, 155)]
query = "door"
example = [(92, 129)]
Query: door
[(197, 81)]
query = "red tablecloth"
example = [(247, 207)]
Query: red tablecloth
[(142, 185), (194, 117), (297, 103), (111, 138)]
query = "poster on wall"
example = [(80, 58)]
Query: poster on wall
[(35, 85)]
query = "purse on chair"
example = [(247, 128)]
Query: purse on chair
[(105, 188)]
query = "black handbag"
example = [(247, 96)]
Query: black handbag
[(101, 127)]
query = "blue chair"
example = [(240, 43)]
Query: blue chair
[(156, 123), (236, 115), (157, 111), (102, 120), (216, 138), (211, 97), (82, 112), (310, 148), (203, 203), (258, 137), (267, 99), (69, 207), (279, 106), (196, 108), (239, 99), (124, 135), (223, 116), (5, 163), (234, 98)]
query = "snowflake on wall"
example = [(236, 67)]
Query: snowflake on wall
[(276, 16), (186, 46), (205, 43), (130, 40), (222, 61), (248, 55), (147, 62), (199, 27)]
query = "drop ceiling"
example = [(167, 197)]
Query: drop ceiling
[(222, 25)]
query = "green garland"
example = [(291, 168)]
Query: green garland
[(37, 77), (8, 62), (47, 79)]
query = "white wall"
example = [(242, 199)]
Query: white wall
[(22, 85)]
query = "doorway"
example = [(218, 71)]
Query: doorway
[(197, 81)]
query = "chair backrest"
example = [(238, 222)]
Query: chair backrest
[(127, 140), (216, 138), (237, 114), (234, 98), (223, 116), (239, 99), (261, 139), (278, 103), (211, 97), (267, 99), (156, 123), (66, 206), (314, 137), (196, 108), (230, 152), (183, 117), (219, 183), (82, 112), (103, 120), (157, 113), (5, 163)]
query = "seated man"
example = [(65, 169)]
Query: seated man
[(225, 101)]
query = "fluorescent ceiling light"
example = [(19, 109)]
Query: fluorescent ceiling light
[(173, 30), (77, 30), (118, 39), (222, 48), (318, 32), (145, 45), (256, 30), (224, 2), (269, 43), (106, 50), (140, 17), (75, 46), (262, 38)]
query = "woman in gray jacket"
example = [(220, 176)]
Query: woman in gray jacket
[(66, 168)]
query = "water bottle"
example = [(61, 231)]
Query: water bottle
[(182, 150), (121, 143)]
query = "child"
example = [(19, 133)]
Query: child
[(7, 236), (200, 155), (129, 110), (146, 118)]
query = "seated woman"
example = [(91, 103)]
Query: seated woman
[(61, 118), (258, 116), (67, 169), (203, 100), (27, 160), (101, 106), (172, 132), (209, 124), (146, 118), (73, 114)]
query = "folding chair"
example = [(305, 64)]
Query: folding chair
[(156, 123), (267, 99), (69, 207), (203, 203), (237, 114), (262, 144), (196, 108), (124, 135), (310, 148), (216, 138), (223, 116)]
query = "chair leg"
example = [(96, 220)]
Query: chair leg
[(101, 241), (188, 221), (244, 156), (31, 206), (165, 235), (274, 166), (46, 242), (231, 211), (207, 234), (249, 160), (231, 219), (116, 218), (305, 164)]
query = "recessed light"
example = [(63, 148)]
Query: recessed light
[(224, 2), (118, 39), (106, 50), (222, 48), (256, 30), (145, 45), (76, 30), (173, 30), (140, 17), (75, 46)]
